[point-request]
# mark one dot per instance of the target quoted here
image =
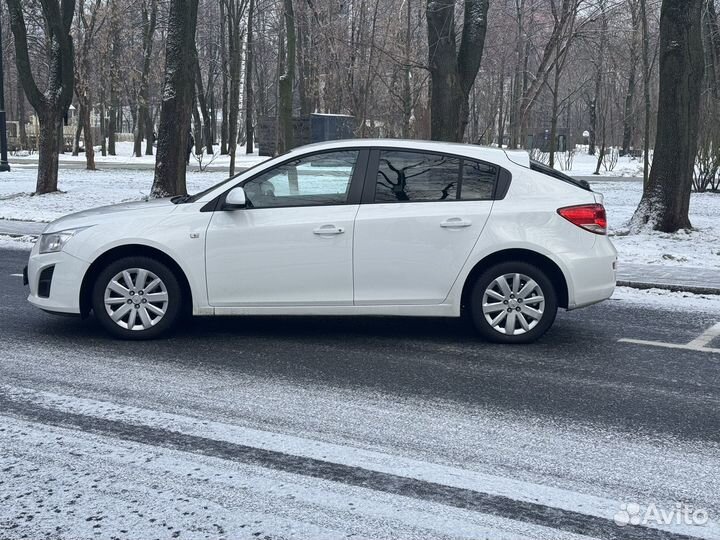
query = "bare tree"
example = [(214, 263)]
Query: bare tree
[(51, 104), (144, 124), (285, 83), (235, 16), (666, 198), (249, 94), (177, 100), (453, 71), (89, 20), (628, 112)]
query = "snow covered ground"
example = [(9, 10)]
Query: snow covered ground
[(124, 155), (585, 165), (699, 247), (80, 190)]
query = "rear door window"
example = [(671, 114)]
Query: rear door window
[(406, 176), (416, 177)]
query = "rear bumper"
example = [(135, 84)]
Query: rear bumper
[(63, 294), (592, 274)]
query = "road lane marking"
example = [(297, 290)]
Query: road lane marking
[(697, 344), (706, 337), (483, 493)]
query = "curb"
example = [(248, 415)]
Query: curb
[(672, 287), (16, 234)]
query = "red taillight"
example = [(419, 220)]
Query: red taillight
[(590, 217)]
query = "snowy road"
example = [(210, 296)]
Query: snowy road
[(325, 428)]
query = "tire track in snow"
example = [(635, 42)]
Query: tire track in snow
[(13, 404)]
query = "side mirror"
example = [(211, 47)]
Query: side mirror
[(235, 199)]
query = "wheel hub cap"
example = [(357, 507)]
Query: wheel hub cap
[(136, 299), (513, 304)]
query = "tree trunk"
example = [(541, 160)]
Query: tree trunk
[(599, 68), (144, 119), (407, 101), (207, 139), (592, 112), (88, 139), (114, 77), (249, 93), (22, 117), (666, 199), (285, 91), (103, 126), (235, 15), (197, 129), (149, 132), (501, 105), (51, 104), (518, 77), (713, 46), (178, 93), (48, 153), (646, 92), (139, 130), (112, 124), (225, 87), (453, 72), (78, 132), (628, 116), (554, 116)]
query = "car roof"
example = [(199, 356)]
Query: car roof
[(485, 153)]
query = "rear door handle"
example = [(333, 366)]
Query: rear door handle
[(455, 223), (328, 230)]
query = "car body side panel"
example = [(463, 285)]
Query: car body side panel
[(179, 234), (527, 219)]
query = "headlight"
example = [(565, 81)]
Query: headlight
[(54, 242)]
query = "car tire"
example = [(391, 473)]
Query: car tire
[(519, 311), (137, 298)]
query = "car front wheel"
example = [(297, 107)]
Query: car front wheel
[(513, 302), (137, 298)]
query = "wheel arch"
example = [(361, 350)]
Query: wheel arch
[(550, 267), (129, 250)]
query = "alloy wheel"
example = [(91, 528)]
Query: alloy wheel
[(513, 304), (136, 299)]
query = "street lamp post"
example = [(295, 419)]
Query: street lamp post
[(4, 165)]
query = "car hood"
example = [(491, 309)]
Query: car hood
[(107, 214)]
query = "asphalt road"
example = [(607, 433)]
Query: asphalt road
[(372, 428)]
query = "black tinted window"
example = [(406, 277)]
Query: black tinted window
[(478, 180), (416, 176)]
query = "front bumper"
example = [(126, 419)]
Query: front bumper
[(63, 295)]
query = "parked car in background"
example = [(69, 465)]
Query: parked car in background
[(360, 227)]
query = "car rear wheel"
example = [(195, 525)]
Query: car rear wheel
[(513, 302), (137, 298)]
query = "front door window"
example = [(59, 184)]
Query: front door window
[(320, 179)]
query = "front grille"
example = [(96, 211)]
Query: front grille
[(45, 281)]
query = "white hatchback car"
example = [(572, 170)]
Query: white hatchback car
[(361, 227)]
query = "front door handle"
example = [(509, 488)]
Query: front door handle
[(328, 229), (455, 223)]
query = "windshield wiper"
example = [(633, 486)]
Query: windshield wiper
[(180, 199)]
